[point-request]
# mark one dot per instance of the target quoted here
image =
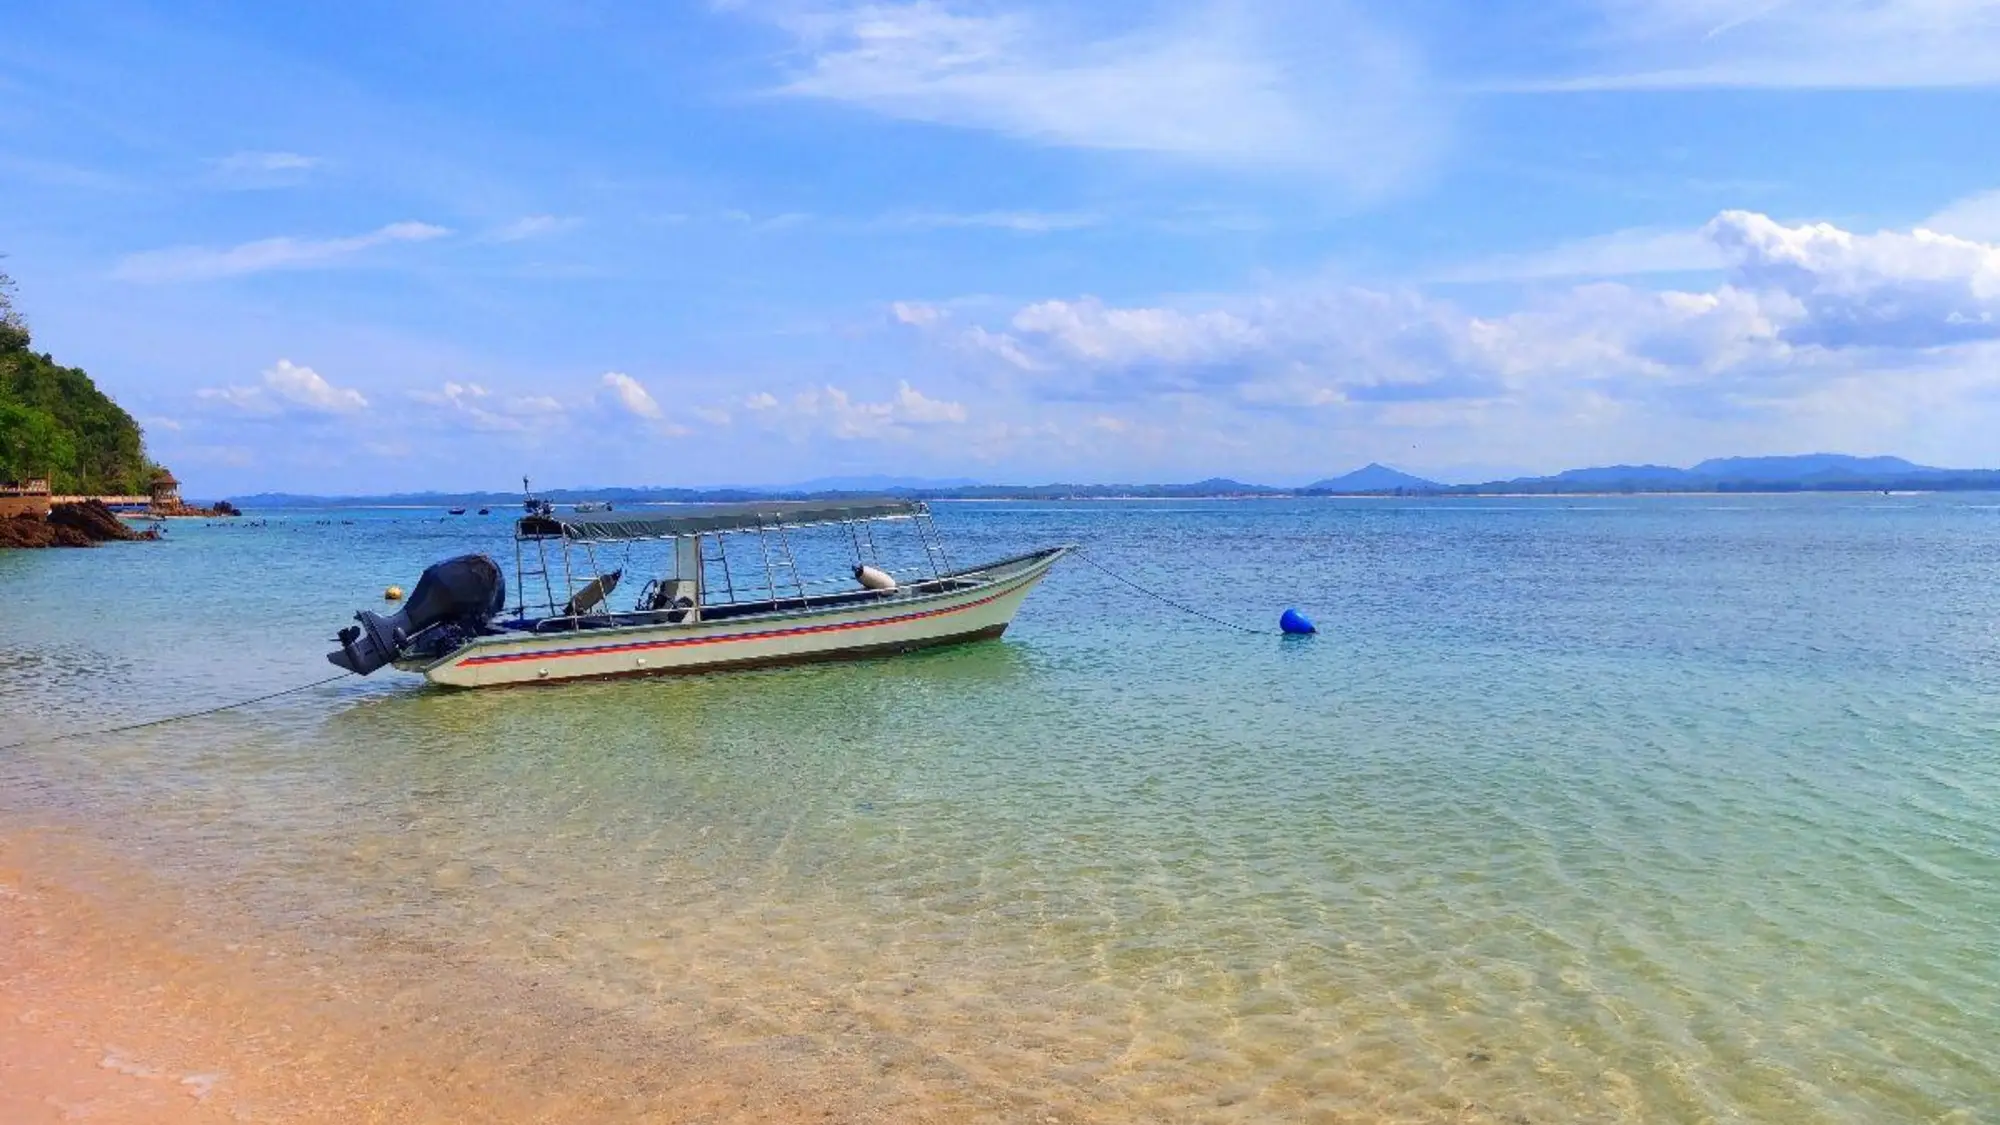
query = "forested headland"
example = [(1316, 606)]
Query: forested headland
[(54, 421)]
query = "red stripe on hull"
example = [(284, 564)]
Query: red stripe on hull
[(685, 642), (821, 656)]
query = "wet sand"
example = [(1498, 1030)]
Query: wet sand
[(122, 1002)]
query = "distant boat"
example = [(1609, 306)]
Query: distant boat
[(485, 511), (458, 511), (594, 506)]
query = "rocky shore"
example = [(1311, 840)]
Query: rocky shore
[(84, 524)]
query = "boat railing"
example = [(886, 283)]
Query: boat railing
[(782, 583)]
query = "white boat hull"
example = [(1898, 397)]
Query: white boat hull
[(981, 609)]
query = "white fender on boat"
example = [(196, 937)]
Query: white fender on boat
[(874, 579)]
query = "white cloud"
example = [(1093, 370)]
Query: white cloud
[(1976, 217), (197, 263), (1283, 85), (834, 411), (761, 401), (1090, 330), (1914, 290), (631, 395), (1625, 253), (979, 339), (289, 388), (1798, 307), (916, 313), (480, 409), (534, 226), (1666, 44), (914, 407)]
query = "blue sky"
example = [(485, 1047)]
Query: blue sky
[(384, 246)]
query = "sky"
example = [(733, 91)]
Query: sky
[(380, 247)]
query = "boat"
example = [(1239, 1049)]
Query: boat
[(896, 590), (594, 506), (456, 511), (485, 511)]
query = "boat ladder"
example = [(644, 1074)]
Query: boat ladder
[(780, 561)]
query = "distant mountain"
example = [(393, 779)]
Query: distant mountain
[(1800, 473), (1374, 477), (1218, 486), (1805, 467), (1623, 476)]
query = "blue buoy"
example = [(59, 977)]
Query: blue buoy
[(1296, 623)]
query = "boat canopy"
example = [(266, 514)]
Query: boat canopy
[(668, 521)]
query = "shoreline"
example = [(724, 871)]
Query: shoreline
[(349, 506)]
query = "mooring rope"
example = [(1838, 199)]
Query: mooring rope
[(64, 737), (1080, 553)]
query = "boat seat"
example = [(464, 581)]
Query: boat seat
[(593, 594), (672, 600)]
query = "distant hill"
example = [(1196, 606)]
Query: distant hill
[(1806, 467), (1817, 472), (1801, 473), (1374, 477), (54, 421)]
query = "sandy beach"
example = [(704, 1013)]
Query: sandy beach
[(117, 1006)]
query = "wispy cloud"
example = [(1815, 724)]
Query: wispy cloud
[(533, 226), (197, 263), (1020, 222), (254, 170), (1825, 44), (480, 409), (1232, 85), (1625, 253), (1976, 217)]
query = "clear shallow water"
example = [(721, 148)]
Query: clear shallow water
[(1659, 809)]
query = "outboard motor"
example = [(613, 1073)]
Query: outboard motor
[(453, 600)]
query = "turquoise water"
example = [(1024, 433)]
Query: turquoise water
[(1649, 809)]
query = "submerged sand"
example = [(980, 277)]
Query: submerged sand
[(117, 1005)]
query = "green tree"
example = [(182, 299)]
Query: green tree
[(54, 420), (33, 444), (13, 332)]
